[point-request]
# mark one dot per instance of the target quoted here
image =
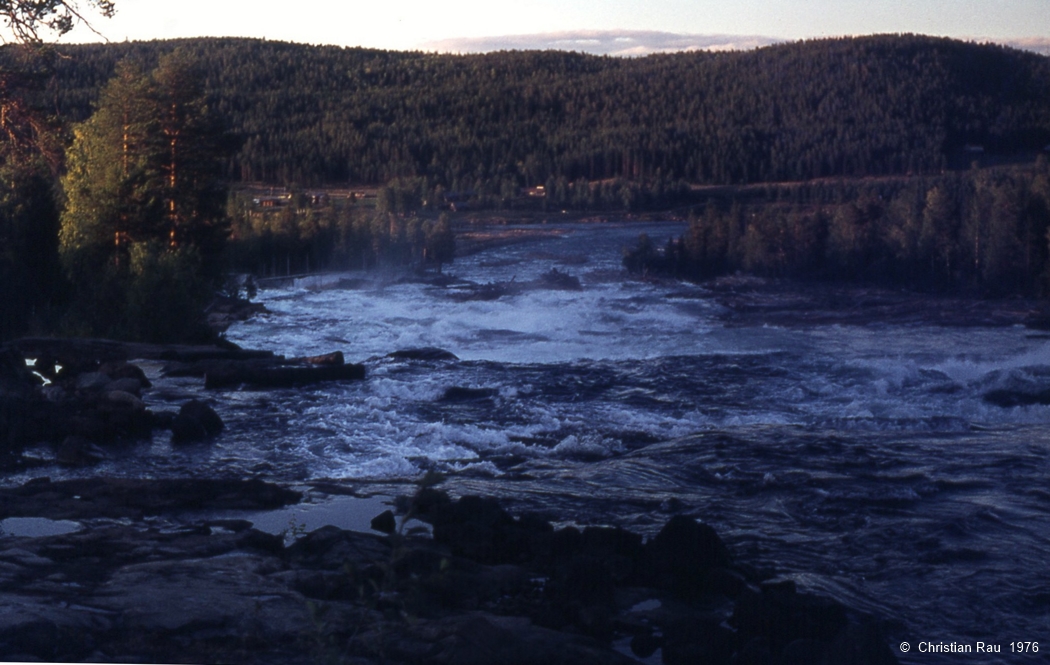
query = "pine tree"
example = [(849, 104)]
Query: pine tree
[(143, 199)]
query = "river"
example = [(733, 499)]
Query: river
[(855, 457)]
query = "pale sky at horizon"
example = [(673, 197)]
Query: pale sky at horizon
[(428, 25)]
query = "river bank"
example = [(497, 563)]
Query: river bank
[(116, 569), (136, 581)]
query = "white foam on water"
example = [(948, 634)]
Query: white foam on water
[(877, 377)]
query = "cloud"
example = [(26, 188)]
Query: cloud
[(601, 42), (1039, 45), (629, 43)]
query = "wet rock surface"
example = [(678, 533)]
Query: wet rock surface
[(488, 587), (83, 397), (135, 498)]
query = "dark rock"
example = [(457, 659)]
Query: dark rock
[(92, 381), (126, 385), (254, 539), (335, 358), (123, 370), (14, 425), (78, 451), (481, 639), (426, 502), (225, 310), (560, 281), (485, 292), (280, 376), (127, 497), (690, 640), (645, 644), (78, 355), (220, 591), (330, 548), (781, 615), (724, 581), (191, 597), (196, 421), (476, 528), (680, 556), (755, 652), (37, 629), (105, 419), (54, 393), (321, 584), (583, 580), (15, 376), (803, 651), (1011, 398), (566, 542), (861, 643), (125, 398), (458, 394), (427, 353), (384, 522)]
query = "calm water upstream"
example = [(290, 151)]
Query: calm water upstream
[(859, 460)]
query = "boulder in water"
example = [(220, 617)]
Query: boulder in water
[(268, 375), (196, 421), (426, 353), (79, 451), (680, 557), (458, 394)]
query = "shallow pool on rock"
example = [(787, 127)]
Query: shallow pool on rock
[(36, 527)]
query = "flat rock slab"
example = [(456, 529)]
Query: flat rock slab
[(170, 591), (112, 350), (33, 627), (281, 376), (126, 497), (225, 593), (480, 638)]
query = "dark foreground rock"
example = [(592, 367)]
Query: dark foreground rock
[(134, 498), (488, 588)]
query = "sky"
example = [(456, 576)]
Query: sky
[(621, 27)]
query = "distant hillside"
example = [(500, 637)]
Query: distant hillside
[(863, 106)]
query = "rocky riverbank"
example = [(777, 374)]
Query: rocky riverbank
[(84, 396), (487, 587), (136, 574)]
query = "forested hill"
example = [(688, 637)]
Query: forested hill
[(860, 106)]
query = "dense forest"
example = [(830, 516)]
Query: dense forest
[(317, 115), (979, 231), (128, 172)]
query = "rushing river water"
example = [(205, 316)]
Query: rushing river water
[(858, 459)]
